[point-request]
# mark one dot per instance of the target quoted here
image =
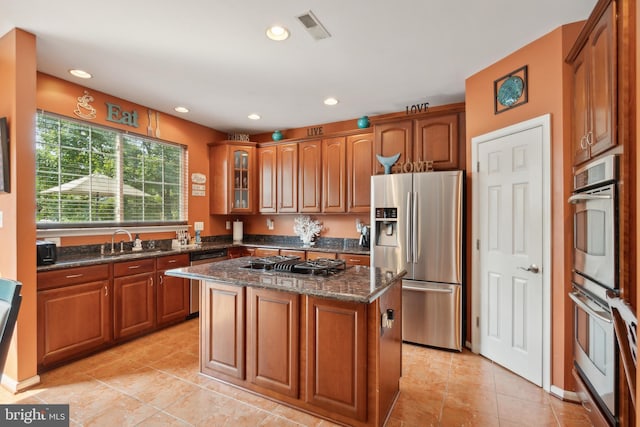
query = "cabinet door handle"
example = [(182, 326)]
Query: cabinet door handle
[(150, 281), (133, 267), (590, 138), (161, 279), (106, 291), (171, 261), (355, 261), (73, 276), (583, 142)]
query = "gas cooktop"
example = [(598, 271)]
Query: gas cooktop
[(293, 264)]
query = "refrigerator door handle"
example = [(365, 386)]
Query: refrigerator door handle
[(420, 289), (415, 232), (408, 231)]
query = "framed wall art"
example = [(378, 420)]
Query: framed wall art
[(4, 156), (511, 90)]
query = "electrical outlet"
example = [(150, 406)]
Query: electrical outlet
[(228, 225), (198, 226), (358, 225), (270, 224)]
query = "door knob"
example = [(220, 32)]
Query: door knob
[(532, 268)]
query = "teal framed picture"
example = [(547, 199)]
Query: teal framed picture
[(511, 90)]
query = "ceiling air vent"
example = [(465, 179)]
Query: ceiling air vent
[(313, 26)]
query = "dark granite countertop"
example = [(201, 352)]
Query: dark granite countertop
[(357, 284), (86, 259)]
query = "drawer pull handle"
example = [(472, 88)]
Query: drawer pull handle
[(133, 267), (161, 279), (73, 276), (171, 261), (354, 260)]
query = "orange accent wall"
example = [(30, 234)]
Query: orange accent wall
[(549, 92), (60, 96), (636, 162), (17, 103)]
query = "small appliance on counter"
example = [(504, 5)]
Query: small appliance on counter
[(46, 252)]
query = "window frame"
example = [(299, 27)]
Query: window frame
[(80, 228)]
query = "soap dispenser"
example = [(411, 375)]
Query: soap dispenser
[(137, 244)]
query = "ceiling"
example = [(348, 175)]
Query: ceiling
[(213, 56)]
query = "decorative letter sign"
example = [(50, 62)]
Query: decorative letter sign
[(116, 115)]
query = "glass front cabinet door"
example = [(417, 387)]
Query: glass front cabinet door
[(231, 171), (241, 159)]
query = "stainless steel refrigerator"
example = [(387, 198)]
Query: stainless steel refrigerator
[(416, 225)]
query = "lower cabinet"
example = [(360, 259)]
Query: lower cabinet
[(172, 293), (336, 371), (273, 340), (73, 320), (222, 330), (352, 259), (134, 297)]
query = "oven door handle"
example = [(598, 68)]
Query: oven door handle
[(581, 301), (577, 198)]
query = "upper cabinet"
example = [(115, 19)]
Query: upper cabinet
[(278, 182), (438, 138), (287, 161), (309, 176), (594, 89), (232, 170), (333, 174), (392, 138), (359, 171)]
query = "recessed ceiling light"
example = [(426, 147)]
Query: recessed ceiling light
[(254, 116), (330, 101), (277, 33), (80, 73), (180, 109)]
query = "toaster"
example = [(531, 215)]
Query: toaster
[(45, 252)]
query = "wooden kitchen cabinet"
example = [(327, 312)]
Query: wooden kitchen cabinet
[(267, 179), (74, 313), (352, 259), (310, 176), (311, 255), (232, 173), (594, 89), (391, 138), (273, 341), (437, 136), (336, 371), (172, 293), (134, 297), (287, 183), (437, 140), (334, 174), (222, 330), (262, 252), (292, 252), (359, 171)]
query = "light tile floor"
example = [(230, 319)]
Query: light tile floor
[(154, 381)]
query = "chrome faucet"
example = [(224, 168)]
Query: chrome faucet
[(119, 230)]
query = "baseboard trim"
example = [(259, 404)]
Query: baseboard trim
[(570, 396), (17, 386)]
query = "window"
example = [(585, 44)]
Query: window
[(88, 175)]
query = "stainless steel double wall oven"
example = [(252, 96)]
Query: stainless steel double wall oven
[(595, 271)]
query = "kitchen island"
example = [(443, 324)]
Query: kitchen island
[(328, 345)]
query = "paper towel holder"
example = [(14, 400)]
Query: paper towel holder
[(237, 231)]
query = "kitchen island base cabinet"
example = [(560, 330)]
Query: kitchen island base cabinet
[(272, 340), (332, 358), (337, 357), (222, 331)]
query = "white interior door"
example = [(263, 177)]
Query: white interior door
[(510, 250)]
